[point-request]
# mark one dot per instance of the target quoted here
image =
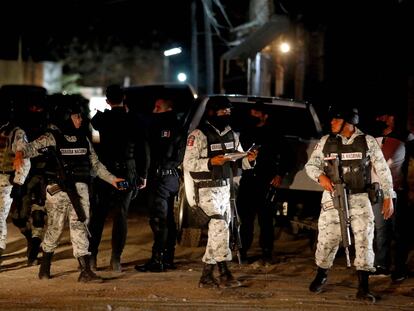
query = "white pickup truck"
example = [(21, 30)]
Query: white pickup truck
[(299, 196)]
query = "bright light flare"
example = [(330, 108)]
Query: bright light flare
[(172, 51), (284, 47), (182, 77)]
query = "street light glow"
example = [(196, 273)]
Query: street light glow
[(172, 51), (182, 77), (284, 47)]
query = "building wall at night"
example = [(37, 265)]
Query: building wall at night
[(19, 72), (46, 74)]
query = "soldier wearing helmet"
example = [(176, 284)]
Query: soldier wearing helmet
[(357, 153), (212, 173), (69, 149), (28, 208)]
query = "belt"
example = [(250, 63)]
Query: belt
[(165, 172), (211, 183), (356, 191), (118, 166)]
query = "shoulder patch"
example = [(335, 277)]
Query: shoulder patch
[(165, 133), (190, 140)]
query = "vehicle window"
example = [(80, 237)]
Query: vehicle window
[(288, 121)]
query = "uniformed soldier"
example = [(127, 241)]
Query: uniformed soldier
[(28, 209), (357, 153), (211, 171), (166, 150), (11, 138), (76, 155)]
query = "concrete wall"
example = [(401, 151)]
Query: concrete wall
[(18, 72)]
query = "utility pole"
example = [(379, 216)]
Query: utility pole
[(209, 49), (194, 45)]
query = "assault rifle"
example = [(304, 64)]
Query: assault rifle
[(67, 184), (235, 239), (340, 201)]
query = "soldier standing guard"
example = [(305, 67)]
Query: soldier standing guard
[(357, 152), (28, 209), (211, 171), (166, 148), (77, 154)]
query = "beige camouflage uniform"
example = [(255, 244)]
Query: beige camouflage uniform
[(58, 206), (360, 211), (7, 149), (213, 201)]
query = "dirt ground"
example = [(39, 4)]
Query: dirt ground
[(282, 286)]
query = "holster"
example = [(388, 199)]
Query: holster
[(375, 193), (197, 213)]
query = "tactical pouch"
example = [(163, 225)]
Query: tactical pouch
[(52, 190), (199, 218), (375, 193), (197, 215)]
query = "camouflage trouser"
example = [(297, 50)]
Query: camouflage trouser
[(5, 203), (216, 201), (362, 224), (59, 208)]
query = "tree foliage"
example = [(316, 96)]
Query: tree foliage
[(98, 63)]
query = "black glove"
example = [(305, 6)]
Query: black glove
[(17, 191)]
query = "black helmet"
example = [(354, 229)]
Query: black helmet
[(218, 102), (349, 114)]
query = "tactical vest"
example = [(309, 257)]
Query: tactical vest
[(75, 155), (354, 164), (6, 153), (218, 145)]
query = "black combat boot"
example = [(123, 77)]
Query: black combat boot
[(92, 263), (116, 263), (320, 279), (169, 259), (44, 271), (226, 278), (363, 290), (155, 264), (207, 279), (87, 275), (267, 257), (33, 251), (28, 235)]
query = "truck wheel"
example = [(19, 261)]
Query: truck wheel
[(180, 206)]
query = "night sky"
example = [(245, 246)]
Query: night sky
[(46, 26), (368, 45)]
